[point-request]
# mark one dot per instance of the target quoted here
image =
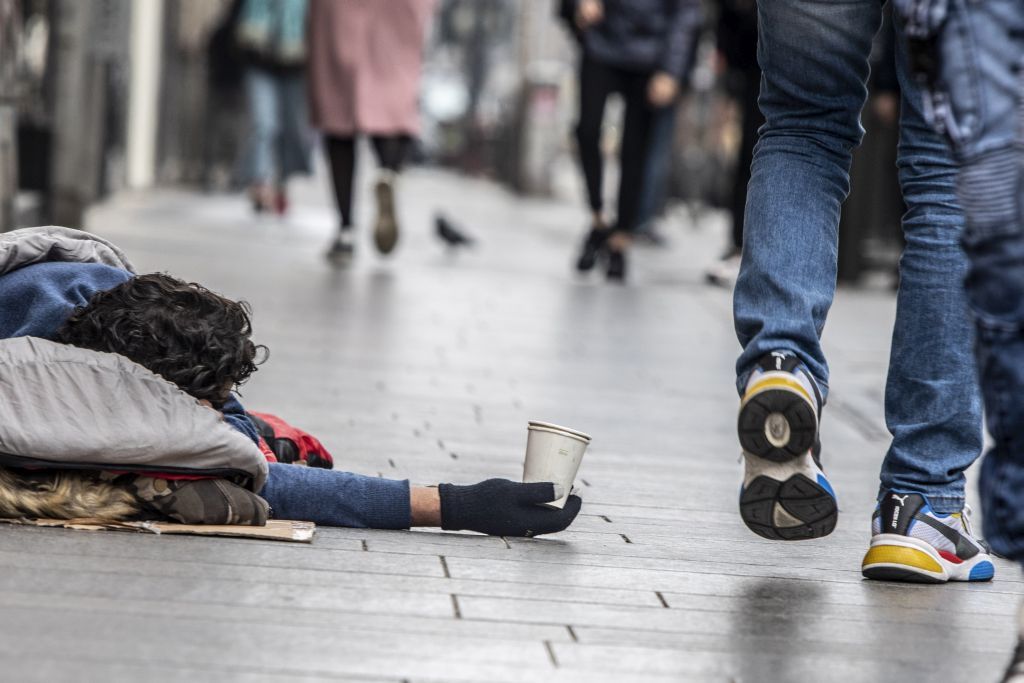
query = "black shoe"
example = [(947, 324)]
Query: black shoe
[(592, 247), (616, 266)]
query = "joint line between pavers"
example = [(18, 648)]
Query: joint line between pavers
[(455, 606), (551, 653), (444, 567)]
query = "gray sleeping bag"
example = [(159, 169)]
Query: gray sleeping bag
[(66, 409), (20, 248), (74, 408)]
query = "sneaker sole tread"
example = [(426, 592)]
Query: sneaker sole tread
[(801, 421), (802, 499), (385, 233)]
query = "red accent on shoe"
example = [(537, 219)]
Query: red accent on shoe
[(950, 557)]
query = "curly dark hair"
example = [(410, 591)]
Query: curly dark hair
[(180, 330)]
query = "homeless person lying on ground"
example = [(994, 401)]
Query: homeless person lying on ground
[(115, 402)]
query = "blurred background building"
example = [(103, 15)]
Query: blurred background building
[(101, 96)]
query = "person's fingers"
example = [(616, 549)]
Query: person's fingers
[(552, 521), (569, 512), (539, 492)]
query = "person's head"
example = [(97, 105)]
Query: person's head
[(181, 331)]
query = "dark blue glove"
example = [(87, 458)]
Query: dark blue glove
[(500, 507)]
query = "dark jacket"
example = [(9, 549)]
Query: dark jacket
[(645, 35)]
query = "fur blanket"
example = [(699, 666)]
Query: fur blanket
[(61, 494)]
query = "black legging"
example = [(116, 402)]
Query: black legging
[(597, 81), (391, 151), (752, 120)]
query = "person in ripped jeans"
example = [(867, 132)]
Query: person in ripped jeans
[(200, 341), (813, 56), (969, 59)]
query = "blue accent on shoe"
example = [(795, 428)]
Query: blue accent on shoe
[(983, 571), (823, 483)]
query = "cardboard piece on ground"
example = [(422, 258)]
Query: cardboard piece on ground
[(275, 530)]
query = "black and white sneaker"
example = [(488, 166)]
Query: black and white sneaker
[(785, 494)]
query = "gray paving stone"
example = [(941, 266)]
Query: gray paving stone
[(427, 366)]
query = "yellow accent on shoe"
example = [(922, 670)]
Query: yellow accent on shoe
[(774, 383), (898, 554)]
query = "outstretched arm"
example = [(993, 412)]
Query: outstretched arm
[(496, 506)]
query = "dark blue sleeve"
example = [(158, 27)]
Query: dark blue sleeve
[(681, 39), (333, 498), (235, 415)]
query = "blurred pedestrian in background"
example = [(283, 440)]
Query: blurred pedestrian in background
[(271, 38), (364, 70), (654, 184), (642, 50), (736, 43)]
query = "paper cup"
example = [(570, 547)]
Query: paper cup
[(553, 453)]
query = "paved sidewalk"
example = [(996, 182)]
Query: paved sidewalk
[(428, 365)]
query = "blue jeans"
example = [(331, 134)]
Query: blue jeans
[(814, 59), (978, 101), (659, 164), (280, 142)]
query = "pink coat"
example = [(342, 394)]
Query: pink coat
[(365, 58)]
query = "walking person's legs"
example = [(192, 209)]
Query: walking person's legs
[(656, 171), (295, 138), (391, 151), (814, 59), (341, 157), (752, 120), (725, 271), (265, 126), (596, 83), (981, 76), (634, 152), (932, 405)]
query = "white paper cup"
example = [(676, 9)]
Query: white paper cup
[(553, 453)]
